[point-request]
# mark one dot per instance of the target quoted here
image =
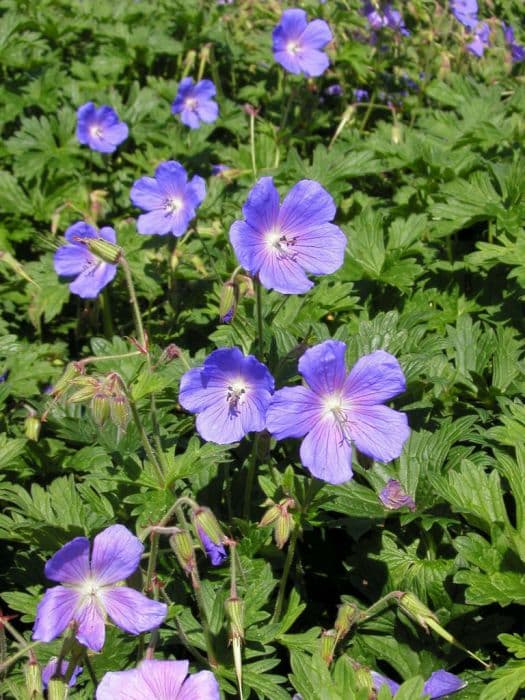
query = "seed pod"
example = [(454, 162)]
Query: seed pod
[(415, 609)]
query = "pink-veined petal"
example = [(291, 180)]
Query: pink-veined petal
[(374, 378), (327, 453), (71, 563), (200, 686), (54, 612), (293, 412), (378, 431), (132, 611), (323, 367), (116, 555), (261, 209), (306, 206)]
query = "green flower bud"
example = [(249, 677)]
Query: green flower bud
[(347, 614), (204, 519), (88, 388), (235, 612), (328, 642), (33, 678), (119, 411), (363, 679), (228, 301), (71, 372), (271, 514), (415, 609), (57, 689), (100, 407), (32, 427), (106, 251), (182, 545)]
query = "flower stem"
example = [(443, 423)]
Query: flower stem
[(259, 313), (286, 570), (196, 582), (250, 479), (134, 302), (90, 669), (106, 314), (145, 440), (378, 605), (252, 144), (14, 657)]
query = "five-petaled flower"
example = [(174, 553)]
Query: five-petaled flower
[(230, 393), (76, 260), (100, 129), (298, 44), (170, 200), (194, 102), (280, 243), (439, 684), (336, 410), (158, 680), (91, 590)]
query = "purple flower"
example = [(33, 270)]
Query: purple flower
[(282, 242), (219, 168), (517, 51), (194, 103), (387, 18), (230, 393), (395, 21), (393, 496), (100, 129), (334, 90), (91, 590), (337, 411), (466, 12), (76, 260), (3, 377), (214, 550), (439, 684), (298, 44), (360, 95), (169, 199), (158, 680), (481, 40), (50, 669)]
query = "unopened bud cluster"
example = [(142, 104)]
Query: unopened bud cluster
[(279, 516)]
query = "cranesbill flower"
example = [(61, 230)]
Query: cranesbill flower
[(384, 17), (230, 393), (280, 243), (100, 129), (214, 550), (337, 411), (298, 44), (91, 274), (481, 40), (394, 496), (91, 590), (158, 680), (50, 669), (170, 200), (334, 90), (360, 95), (517, 50), (439, 684), (466, 12), (194, 103)]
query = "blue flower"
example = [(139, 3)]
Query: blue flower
[(230, 393), (194, 103), (214, 550), (466, 12), (481, 40), (91, 274), (334, 90), (170, 200), (394, 496), (517, 51), (360, 95), (100, 129), (282, 242), (298, 44), (50, 669), (336, 411), (439, 684)]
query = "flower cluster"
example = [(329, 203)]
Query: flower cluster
[(335, 413)]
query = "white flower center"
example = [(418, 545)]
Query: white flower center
[(89, 588), (279, 243), (173, 204), (332, 403), (95, 131), (292, 47), (236, 395), (190, 103)]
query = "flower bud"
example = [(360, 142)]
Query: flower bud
[(33, 678), (119, 411), (32, 427), (363, 679), (396, 136), (100, 407), (328, 642), (347, 614), (271, 514), (228, 301), (205, 520), (182, 545), (106, 251), (71, 372), (416, 610), (282, 529), (88, 388), (57, 689), (235, 612)]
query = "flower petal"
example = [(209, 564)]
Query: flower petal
[(293, 412), (108, 234), (220, 424), (321, 251), (323, 367), (306, 206), (253, 410), (91, 625), (208, 111), (200, 686), (283, 274), (379, 680), (248, 244), (93, 279), (375, 378), (313, 63), (289, 61), (124, 685), (196, 191), (316, 35), (327, 453), (71, 563), (133, 611), (172, 178), (156, 222), (70, 260), (204, 90), (442, 683), (195, 392), (146, 194), (116, 555), (116, 134), (54, 613), (378, 431), (189, 117), (261, 209), (291, 26)]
